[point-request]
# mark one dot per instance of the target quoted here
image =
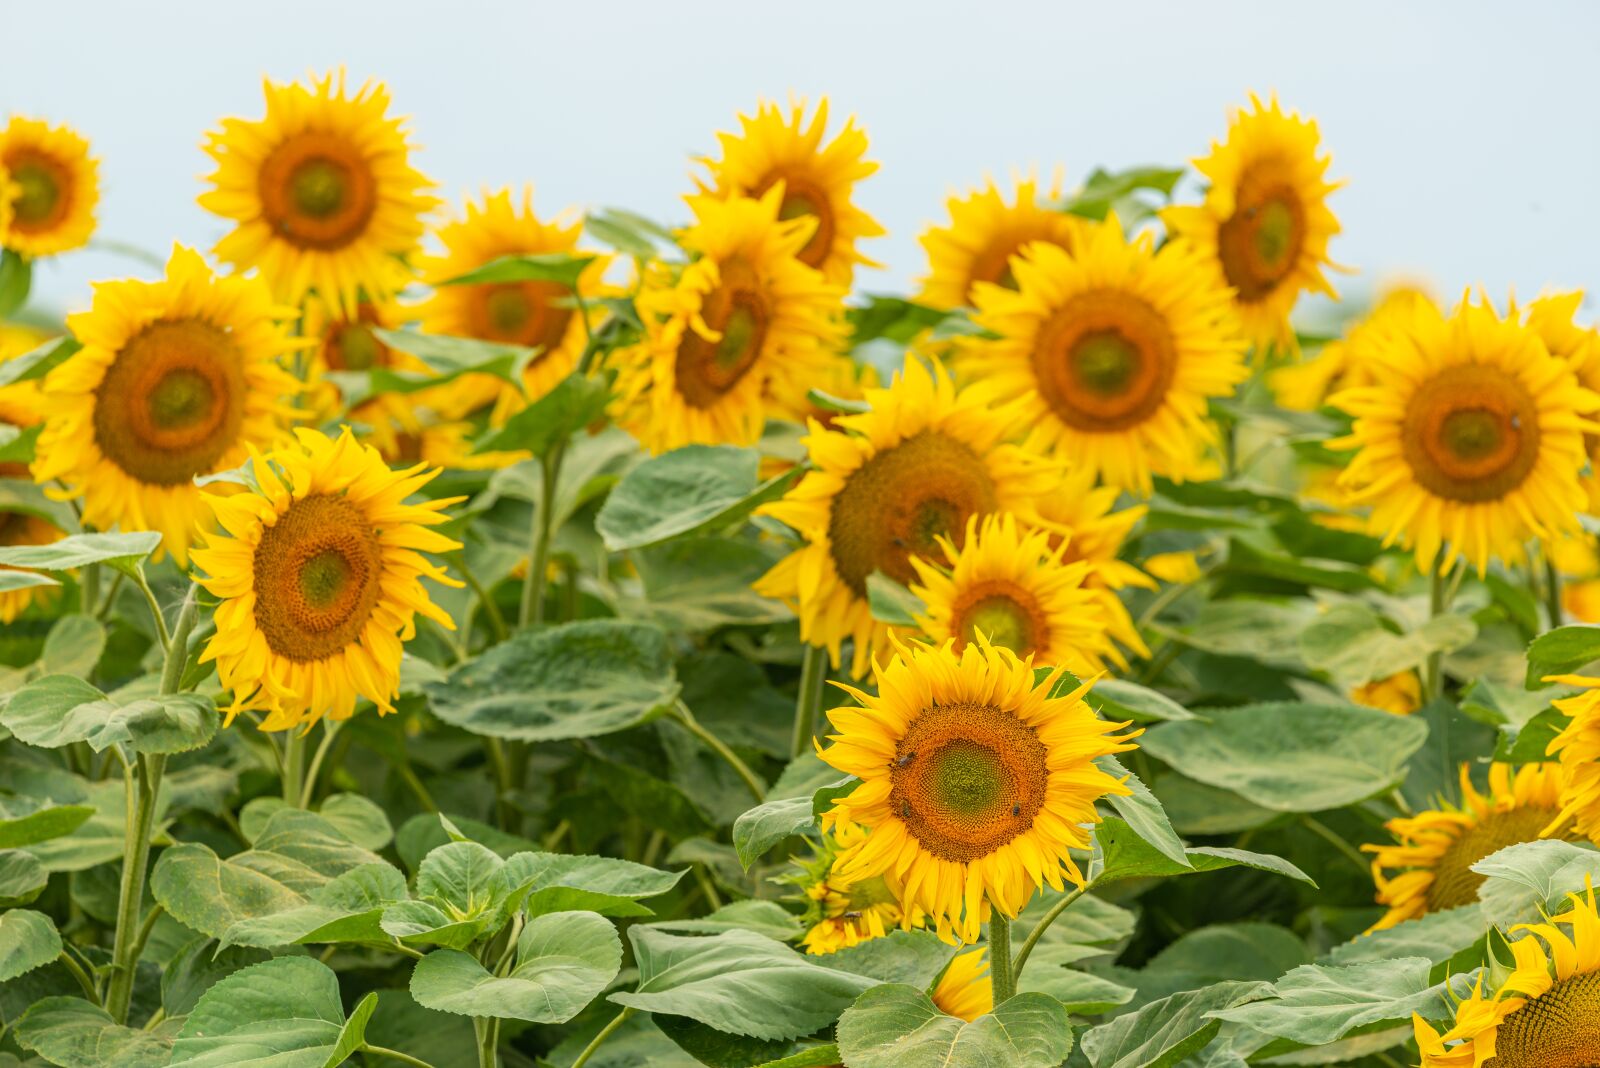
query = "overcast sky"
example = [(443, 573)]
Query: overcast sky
[(1469, 131)]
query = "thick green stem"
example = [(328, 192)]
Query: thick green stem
[(808, 706), (752, 782), (1439, 593), (1001, 977), (330, 731), (504, 785), (294, 765), (91, 589), (1041, 927), (488, 1041), (144, 787), (605, 1033), (85, 983), (1552, 588), (533, 583)]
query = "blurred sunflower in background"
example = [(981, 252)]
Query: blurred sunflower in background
[(1265, 222), (984, 232), (322, 192), (319, 570), (20, 404), (1114, 351), (814, 180), (1084, 522), (176, 379), (1577, 747), (1429, 866), (841, 914), (1554, 319), (1472, 443), (975, 783), (1347, 362), (1400, 693), (884, 486), (744, 330), (49, 188)]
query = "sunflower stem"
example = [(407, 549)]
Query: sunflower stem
[(488, 1029), (294, 765), (1552, 588), (491, 610), (155, 608), (1329, 835), (144, 787), (533, 583), (1441, 592), (91, 589), (808, 704), (1001, 977), (330, 731), (751, 781), (1040, 928), (605, 1032)]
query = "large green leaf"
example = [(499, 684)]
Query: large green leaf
[(22, 878), (1351, 643), (26, 821), (58, 710), (895, 1026), (1122, 853), (1164, 1033), (282, 1013), (737, 982), (73, 646), (208, 894), (76, 1034), (700, 583), (1144, 813), (196, 967), (560, 882), (577, 680), (564, 959), (1119, 699), (1562, 651), (1527, 878), (690, 490), (562, 268), (124, 552), (912, 958), (1292, 756), (348, 908), (1435, 935), (28, 940), (574, 403)]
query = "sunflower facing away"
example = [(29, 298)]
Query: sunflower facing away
[(1577, 747), (1265, 223), (815, 180), (1115, 349), (1007, 583), (1474, 441), (884, 485), (841, 914), (49, 188), (1553, 318), (176, 379), (1429, 866), (746, 327), (320, 574), (983, 234), (974, 782), (533, 314), (1547, 1012), (322, 191)]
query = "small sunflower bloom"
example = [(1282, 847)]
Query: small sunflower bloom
[(49, 188)]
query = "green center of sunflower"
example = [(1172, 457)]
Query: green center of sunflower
[(40, 193), (1106, 362), (1002, 621), (359, 348), (508, 309), (738, 309), (869, 894), (803, 198), (1454, 882), (740, 333), (318, 187), (182, 398), (1558, 1029), (323, 576), (1275, 233), (318, 573), (966, 777), (1471, 434)]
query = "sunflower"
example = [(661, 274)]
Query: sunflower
[(1474, 440), (20, 403), (1577, 558), (884, 485), (1577, 747), (49, 188), (24, 528), (1553, 318), (349, 343), (532, 314), (1346, 363), (975, 783), (813, 180), (320, 574), (745, 327), (984, 233), (1429, 868), (965, 990), (1083, 519), (842, 914), (1115, 350), (1265, 223), (1007, 583), (406, 430), (1544, 1014), (322, 190), (1400, 693), (176, 379)]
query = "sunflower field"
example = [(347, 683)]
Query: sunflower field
[(474, 634)]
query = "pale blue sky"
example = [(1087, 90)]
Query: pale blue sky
[(1469, 131)]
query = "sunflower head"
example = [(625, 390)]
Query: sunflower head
[(745, 329), (176, 379), (1577, 747), (319, 570), (24, 528), (1554, 319), (49, 188), (983, 234), (1473, 442), (840, 914), (1265, 223), (321, 191), (1114, 349), (965, 990), (1400, 693), (885, 485), (975, 782), (783, 152)]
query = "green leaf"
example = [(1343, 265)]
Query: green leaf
[(45, 712), (98, 828), (1143, 813), (1292, 756), (559, 882), (348, 908), (737, 982), (72, 1032), (17, 443), (196, 966), (893, 318), (208, 894), (890, 602), (358, 819), (564, 959), (448, 358), (1527, 878), (1119, 699), (1561, 652), (1080, 993), (170, 723), (576, 680), (763, 917), (896, 1026), (1435, 935), (22, 878), (563, 268), (1120, 853), (73, 646), (25, 821), (123, 552), (912, 958), (718, 1049), (38, 362), (1319, 1003), (16, 278), (701, 583), (1351, 643), (1245, 557), (627, 232), (1104, 190), (11, 581), (692, 490), (764, 826), (28, 940), (282, 1013), (574, 403), (1164, 1033), (1530, 742)]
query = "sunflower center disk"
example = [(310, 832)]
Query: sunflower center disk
[(967, 779), (317, 191), (737, 309), (1558, 1029), (1104, 361), (171, 403), (869, 894), (1454, 883), (41, 202), (317, 574), (894, 505), (1007, 617), (1471, 433), (803, 198), (356, 348), (523, 313), (1260, 242)]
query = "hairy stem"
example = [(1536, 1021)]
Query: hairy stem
[(808, 705), (1001, 977), (605, 1033)]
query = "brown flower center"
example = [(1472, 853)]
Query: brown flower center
[(1454, 882), (1558, 1029), (1004, 612), (803, 197), (317, 191), (1260, 242), (737, 309), (1104, 361), (1471, 433), (317, 577), (522, 313), (44, 185)]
